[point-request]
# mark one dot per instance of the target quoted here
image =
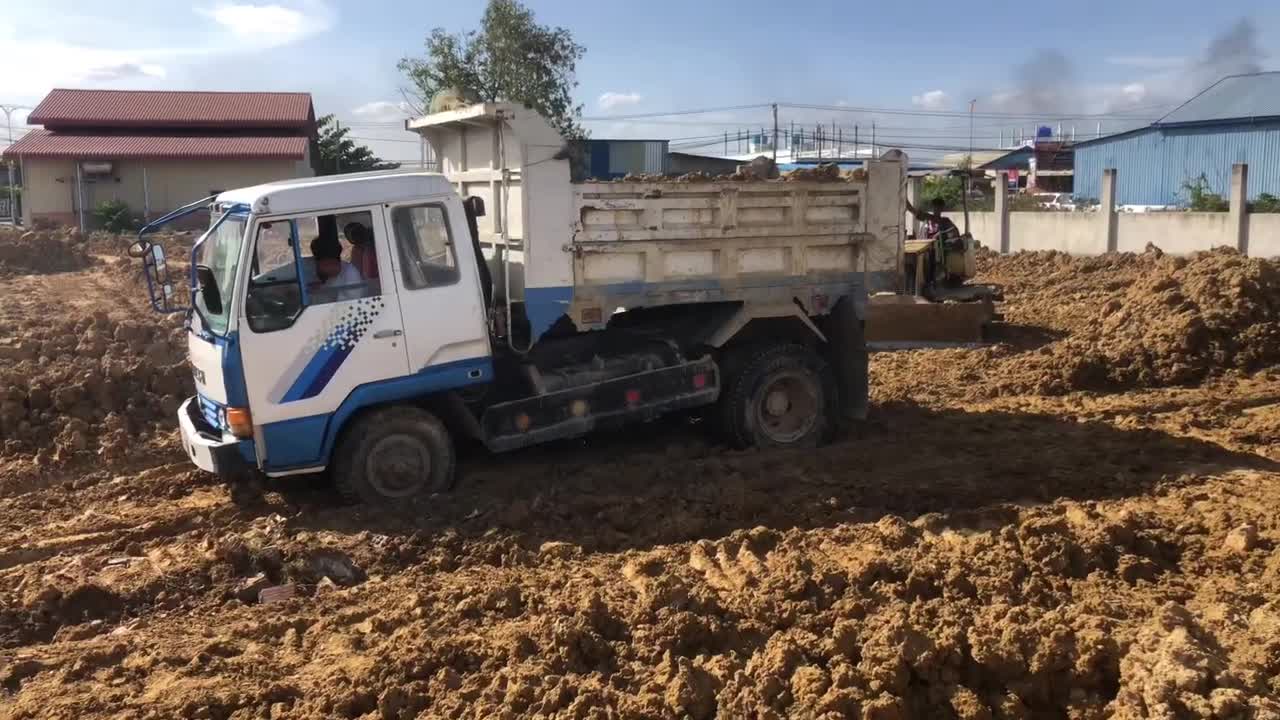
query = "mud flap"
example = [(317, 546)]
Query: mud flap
[(846, 337)]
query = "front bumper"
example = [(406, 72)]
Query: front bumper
[(206, 447)]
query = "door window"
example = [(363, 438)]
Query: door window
[(310, 260), (425, 244)]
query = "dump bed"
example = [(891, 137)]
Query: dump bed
[(672, 242), (587, 249)]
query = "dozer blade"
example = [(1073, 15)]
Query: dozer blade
[(901, 322)]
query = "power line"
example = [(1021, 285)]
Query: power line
[(699, 111)]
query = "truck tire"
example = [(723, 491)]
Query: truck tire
[(393, 454), (780, 396)]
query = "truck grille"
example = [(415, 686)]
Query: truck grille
[(212, 412)]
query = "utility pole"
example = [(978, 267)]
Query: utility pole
[(972, 105), (8, 121), (874, 152), (775, 133), (337, 157), (855, 140)]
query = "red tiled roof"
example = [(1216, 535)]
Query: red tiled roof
[(63, 108), (46, 144)]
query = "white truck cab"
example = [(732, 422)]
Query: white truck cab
[(358, 323)]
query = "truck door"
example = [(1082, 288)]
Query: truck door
[(316, 328), (439, 288)]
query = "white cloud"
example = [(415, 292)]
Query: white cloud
[(932, 100), (72, 54), (383, 111), (271, 25), (122, 71), (615, 100)]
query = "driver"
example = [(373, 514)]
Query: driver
[(935, 225), (332, 273)]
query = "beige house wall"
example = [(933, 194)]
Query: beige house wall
[(153, 187)]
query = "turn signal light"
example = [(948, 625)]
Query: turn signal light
[(240, 422)]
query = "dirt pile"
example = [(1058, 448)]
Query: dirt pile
[(975, 554), (1108, 323), (85, 366), (754, 172), (1155, 321), (88, 385), (25, 252)]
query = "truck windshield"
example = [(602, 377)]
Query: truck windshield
[(220, 252)]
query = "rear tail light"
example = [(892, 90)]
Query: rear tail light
[(700, 381)]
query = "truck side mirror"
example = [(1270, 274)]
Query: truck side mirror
[(209, 289), (475, 205)]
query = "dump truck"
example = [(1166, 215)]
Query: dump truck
[(365, 324)]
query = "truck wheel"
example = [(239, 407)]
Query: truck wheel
[(393, 454), (782, 396)]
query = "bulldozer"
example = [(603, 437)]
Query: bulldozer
[(937, 304)]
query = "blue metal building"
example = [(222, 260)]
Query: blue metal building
[(1237, 120), (614, 159)]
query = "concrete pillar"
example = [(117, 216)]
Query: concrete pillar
[(914, 186), (1240, 206), (1002, 212), (1110, 220)]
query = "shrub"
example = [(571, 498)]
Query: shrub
[(1266, 203), (114, 216), (1201, 199)]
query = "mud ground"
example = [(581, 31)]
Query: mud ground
[(1079, 521)]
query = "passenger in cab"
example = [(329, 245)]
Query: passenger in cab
[(363, 256)]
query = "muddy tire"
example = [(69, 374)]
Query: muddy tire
[(391, 455), (779, 396)]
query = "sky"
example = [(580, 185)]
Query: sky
[(910, 67)]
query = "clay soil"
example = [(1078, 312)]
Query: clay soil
[(1077, 521)]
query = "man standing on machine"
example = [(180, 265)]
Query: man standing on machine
[(935, 225)]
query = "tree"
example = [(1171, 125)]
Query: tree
[(510, 58), (341, 154)]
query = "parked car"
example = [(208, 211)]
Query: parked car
[(1055, 201)]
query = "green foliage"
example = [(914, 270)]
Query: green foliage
[(341, 154), (949, 189), (1266, 203), (1201, 199), (114, 216), (510, 58)]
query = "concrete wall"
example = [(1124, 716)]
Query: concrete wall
[(1179, 233), (982, 225), (1084, 233), (1075, 233), (50, 187), (1093, 232), (1264, 235)]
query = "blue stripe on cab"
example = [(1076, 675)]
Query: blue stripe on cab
[(303, 384), (308, 441)]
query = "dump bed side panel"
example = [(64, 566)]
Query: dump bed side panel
[(647, 244)]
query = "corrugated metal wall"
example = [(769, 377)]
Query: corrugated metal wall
[(613, 159), (1154, 164)]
